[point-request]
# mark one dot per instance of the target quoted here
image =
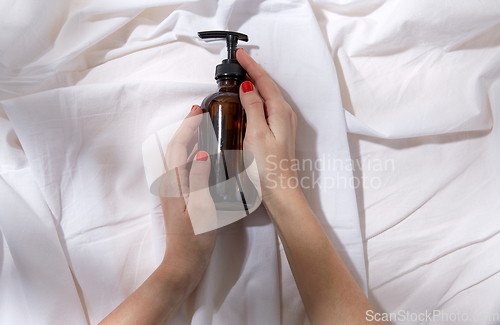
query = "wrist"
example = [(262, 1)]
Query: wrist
[(279, 183), (187, 257), (176, 280), (279, 201)]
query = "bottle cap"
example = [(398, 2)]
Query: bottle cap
[(230, 66)]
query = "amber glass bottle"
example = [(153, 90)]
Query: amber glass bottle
[(222, 132)]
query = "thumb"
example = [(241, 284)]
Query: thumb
[(254, 108), (200, 172), (201, 208)]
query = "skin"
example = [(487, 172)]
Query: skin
[(187, 206), (329, 292)]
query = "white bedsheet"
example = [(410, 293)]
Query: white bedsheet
[(420, 82), (83, 84)]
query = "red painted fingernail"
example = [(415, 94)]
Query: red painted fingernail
[(193, 108), (201, 156), (246, 86)]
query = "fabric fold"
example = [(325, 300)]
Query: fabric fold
[(83, 108)]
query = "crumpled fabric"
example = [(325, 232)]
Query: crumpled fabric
[(82, 85), (420, 83)]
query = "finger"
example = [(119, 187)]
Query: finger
[(176, 154), (185, 131), (193, 152), (254, 108), (267, 87), (192, 144)]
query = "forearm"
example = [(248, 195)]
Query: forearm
[(329, 292), (187, 255), (156, 301)]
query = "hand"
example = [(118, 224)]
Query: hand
[(188, 208), (270, 132), (329, 292)]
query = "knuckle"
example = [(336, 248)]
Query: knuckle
[(275, 102), (287, 110), (286, 106)]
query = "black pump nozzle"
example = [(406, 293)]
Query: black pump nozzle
[(229, 67)]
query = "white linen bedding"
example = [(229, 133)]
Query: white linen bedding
[(84, 83), (83, 87), (420, 82)]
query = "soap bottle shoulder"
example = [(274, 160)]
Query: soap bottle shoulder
[(222, 97)]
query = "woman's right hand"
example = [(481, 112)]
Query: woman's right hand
[(329, 292), (270, 131)]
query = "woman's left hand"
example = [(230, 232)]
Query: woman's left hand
[(188, 208), (190, 216)]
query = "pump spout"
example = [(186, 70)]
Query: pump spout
[(229, 67), (231, 38)]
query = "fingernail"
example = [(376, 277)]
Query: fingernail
[(201, 156), (246, 86), (194, 107)]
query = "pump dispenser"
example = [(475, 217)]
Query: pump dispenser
[(222, 131), (229, 67)]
